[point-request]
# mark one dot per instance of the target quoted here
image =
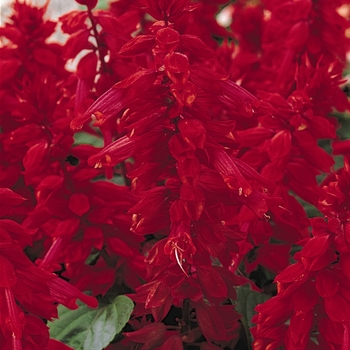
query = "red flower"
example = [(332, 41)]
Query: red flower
[(150, 335), (315, 290), (28, 292), (195, 188)]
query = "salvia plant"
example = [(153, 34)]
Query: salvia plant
[(182, 168)]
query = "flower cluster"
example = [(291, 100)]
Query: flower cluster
[(170, 165), (313, 293)]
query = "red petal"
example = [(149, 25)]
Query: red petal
[(14, 319), (77, 42), (112, 25), (299, 329), (137, 45), (119, 247), (45, 57), (172, 343), (188, 171), (176, 62), (169, 8), (250, 173), (8, 69), (10, 198), (66, 294), (315, 246), (160, 312), (176, 7), (105, 107), (7, 273), (327, 283), (212, 283), (158, 293), (206, 79), (273, 312), (87, 66), (180, 149), (337, 308), (305, 298), (35, 158), (210, 322), (196, 46), (150, 334), (185, 95), (50, 183), (254, 136), (332, 331), (68, 227), (19, 233), (73, 21), (292, 273), (297, 35), (114, 153), (193, 131), (281, 145), (238, 99), (154, 9), (341, 147), (167, 39), (226, 167), (177, 67), (79, 203), (193, 201)]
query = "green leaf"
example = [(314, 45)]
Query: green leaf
[(92, 258), (82, 138), (91, 329), (247, 300), (102, 4)]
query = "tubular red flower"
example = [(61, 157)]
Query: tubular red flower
[(15, 316), (66, 294), (150, 335), (206, 144), (108, 106), (240, 100), (223, 163), (55, 248), (114, 153)]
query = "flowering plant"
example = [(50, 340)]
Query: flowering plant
[(183, 163)]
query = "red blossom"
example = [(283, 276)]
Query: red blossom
[(202, 139), (28, 291)]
